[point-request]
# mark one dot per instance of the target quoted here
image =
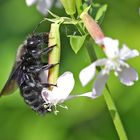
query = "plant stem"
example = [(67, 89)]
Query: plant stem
[(108, 99), (115, 115), (79, 6)]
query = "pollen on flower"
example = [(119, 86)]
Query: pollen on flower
[(65, 107), (49, 109), (50, 105)]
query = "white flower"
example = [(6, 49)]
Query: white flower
[(42, 5), (60, 93), (115, 61)]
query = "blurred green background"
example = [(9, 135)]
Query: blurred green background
[(86, 119)]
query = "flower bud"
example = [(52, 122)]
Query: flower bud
[(92, 27), (54, 55), (69, 6)]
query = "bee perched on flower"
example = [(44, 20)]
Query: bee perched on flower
[(60, 93)]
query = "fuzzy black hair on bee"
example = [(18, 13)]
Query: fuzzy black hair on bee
[(29, 71)]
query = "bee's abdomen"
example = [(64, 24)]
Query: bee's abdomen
[(33, 98)]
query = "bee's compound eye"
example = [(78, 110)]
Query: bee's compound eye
[(31, 43)]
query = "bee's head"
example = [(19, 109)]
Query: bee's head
[(36, 41)]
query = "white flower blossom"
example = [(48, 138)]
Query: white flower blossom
[(43, 5), (115, 61), (61, 92)]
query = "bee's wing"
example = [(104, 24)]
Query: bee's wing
[(11, 84)]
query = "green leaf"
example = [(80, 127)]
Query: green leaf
[(69, 6), (77, 42), (101, 12)]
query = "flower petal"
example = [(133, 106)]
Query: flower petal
[(87, 74), (30, 2), (45, 93), (87, 94), (111, 47), (49, 3), (101, 62), (65, 84), (127, 76), (43, 5), (99, 84), (126, 53)]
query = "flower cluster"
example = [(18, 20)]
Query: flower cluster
[(115, 61)]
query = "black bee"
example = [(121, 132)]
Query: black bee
[(28, 72)]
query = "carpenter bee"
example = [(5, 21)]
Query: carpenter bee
[(29, 72)]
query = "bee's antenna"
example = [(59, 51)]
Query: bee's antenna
[(38, 25)]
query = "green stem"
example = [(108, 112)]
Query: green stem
[(108, 99), (115, 115), (91, 51), (79, 10), (79, 6)]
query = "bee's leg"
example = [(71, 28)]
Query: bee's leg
[(49, 66), (40, 86), (47, 50), (37, 69), (44, 51), (48, 85), (34, 69)]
